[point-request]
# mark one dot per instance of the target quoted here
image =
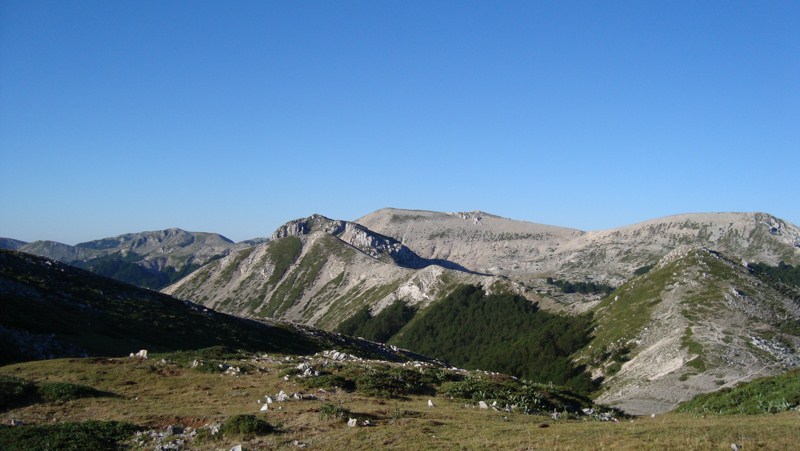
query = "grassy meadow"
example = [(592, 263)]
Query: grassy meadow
[(187, 403)]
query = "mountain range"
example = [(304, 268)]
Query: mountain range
[(684, 312), (149, 259)]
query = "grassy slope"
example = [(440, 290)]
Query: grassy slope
[(155, 395), (77, 312), (769, 394)]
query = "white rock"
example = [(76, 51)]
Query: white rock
[(264, 408), (282, 396), (352, 422), (430, 403), (237, 448), (483, 405)]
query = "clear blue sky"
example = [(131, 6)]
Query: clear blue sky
[(234, 117)]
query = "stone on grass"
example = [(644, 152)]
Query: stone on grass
[(483, 405), (142, 354), (352, 422)]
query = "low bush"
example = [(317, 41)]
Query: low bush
[(330, 411), (15, 392), (521, 395), (66, 436), (65, 391), (766, 395), (245, 425)]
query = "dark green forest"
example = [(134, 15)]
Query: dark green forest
[(580, 287), (498, 332), (380, 327), (126, 269), (783, 272)]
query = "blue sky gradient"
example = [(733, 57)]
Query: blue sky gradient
[(235, 117)]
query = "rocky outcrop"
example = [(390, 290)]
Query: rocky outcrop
[(375, 245)]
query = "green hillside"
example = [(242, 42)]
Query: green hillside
[(765, 395)]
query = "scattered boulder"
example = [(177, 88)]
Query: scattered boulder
[(264, 408), (483, 405), (430, 403), (142, 354), (352, 422)]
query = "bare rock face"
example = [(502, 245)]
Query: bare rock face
[(524, 251), (373, 244), (305, 226)]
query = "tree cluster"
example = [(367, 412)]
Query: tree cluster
[(380, 327), (501, 332), (783, 272), (581, 287)]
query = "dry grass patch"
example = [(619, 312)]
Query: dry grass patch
[(146, 395)]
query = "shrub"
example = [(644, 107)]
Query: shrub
[(15, 391), (246, 425), (643, 270), (330, 411), (86, 435), (65, 391), (766, 395), (328, 382), (525, 396)]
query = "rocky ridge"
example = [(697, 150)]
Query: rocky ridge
[(529, 252), (318, 271), (375, 245), (696, 323)]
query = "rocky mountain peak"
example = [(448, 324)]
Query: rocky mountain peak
[(309, 225), (371, 243)]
